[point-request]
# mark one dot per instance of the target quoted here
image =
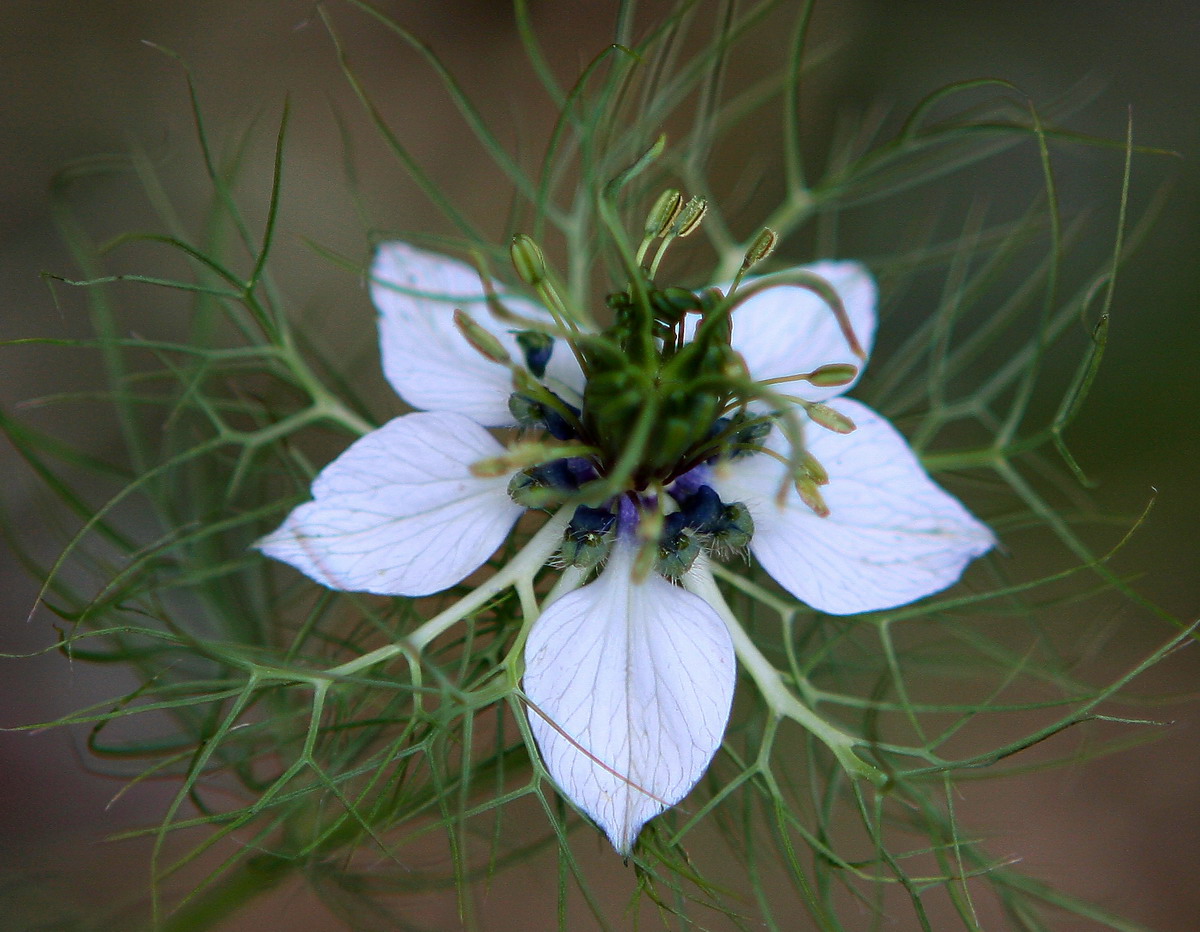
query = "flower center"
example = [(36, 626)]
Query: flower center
[(666, 400), (656, 417)]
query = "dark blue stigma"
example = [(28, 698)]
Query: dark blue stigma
[(537, 347), (701, 510), (590, 522), (750, 435), (565, 475)]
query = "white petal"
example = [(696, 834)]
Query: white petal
[(892, 536), (399, 513), (788, 330), (640, 677), (425, 357)]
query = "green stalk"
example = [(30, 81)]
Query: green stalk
[(248, 880)]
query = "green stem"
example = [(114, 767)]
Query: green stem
[(324, 403), (799, 206), (779, 698), (250, 879), (519, 570)]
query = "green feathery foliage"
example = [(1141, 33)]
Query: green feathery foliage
[(378, 754)]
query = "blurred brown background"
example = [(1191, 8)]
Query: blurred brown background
[(77, 80)]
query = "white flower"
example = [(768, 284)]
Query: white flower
[(630, 677)]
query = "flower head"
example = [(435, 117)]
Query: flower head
[(698, 425)]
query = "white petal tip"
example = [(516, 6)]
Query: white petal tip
[(892, 536), (399, 513)]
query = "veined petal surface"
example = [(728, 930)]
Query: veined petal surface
[(789, 330), (637, 679), (425, 357), (892, 536), (399, 513)]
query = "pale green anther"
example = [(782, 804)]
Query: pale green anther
[(650, 525), (664, 213), (811, 496), (833, 375), (483, 342), (522, 456), (492, 468), (829, 418), (528, 260), (813, 468), (735, 368), (690, 217), (763, 246)]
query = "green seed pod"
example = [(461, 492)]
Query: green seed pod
[(618, 300), (672, 437), (612, 403), (673, 303), (710, 297), (722, 331)]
